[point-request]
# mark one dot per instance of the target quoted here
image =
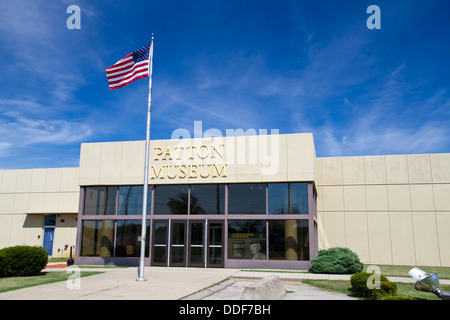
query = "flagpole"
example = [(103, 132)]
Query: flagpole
[(147, 150)]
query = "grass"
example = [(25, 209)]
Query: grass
[(387, 270), (58, 259), (408, 289), (15, 283), (402, 271), (339, 286), (343, 286)]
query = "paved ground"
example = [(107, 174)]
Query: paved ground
[(172, 284), (120, 284), (232, 290)]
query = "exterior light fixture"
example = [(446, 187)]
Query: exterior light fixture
[(428, 283)]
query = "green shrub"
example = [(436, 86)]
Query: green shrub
[(360, 287), (336, 260), (20, 261)]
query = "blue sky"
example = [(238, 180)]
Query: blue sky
[(295, 66)]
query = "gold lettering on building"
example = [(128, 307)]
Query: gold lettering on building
[(167, 155), (221, 173), (183, 171), (202, 174), (171, 176), (178, 153), (156, 175), (158, 152), (192, 171)]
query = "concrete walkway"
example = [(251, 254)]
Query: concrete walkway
[(233, 289), (120, 284), (174, 284)]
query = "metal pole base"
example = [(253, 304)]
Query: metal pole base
[(141, 279)]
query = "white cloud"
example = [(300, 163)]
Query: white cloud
[(44, 65), (23, 123), (353, 107), (24, 132), (4, 146), (372, 141), (40, 50), (223, 89)]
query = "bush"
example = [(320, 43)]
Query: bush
[(336, 260), (20, 261), (360, 287)]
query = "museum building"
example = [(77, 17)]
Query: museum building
[(261, 201)]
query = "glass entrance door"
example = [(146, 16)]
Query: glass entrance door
[(169, 243), (159, 243), (215, 244), (177, 244), (196, 243), (206, 240)]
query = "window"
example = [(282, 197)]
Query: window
[(288, 240), (247, 239), (207, 199), (128, 238), (171, 199), (288, 198), (50, 220), (116, 230), (97, 238), (243, 198), (298, 198), (100, 239), (247, 198), (130, 200), (100, 200)]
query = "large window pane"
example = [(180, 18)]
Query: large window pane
[(171, 199), (128, 238), (130, 200), (298, 198), (288, 198), (288, 240), (247, 239), (97, 238), (247, 198), (278, 198), (207, 199), (100, 200)]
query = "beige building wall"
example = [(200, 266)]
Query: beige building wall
[(256, 158), (26, 196), (388, 209)]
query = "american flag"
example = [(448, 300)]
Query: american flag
[(131, 67)]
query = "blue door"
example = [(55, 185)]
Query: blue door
[(48, 240)]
